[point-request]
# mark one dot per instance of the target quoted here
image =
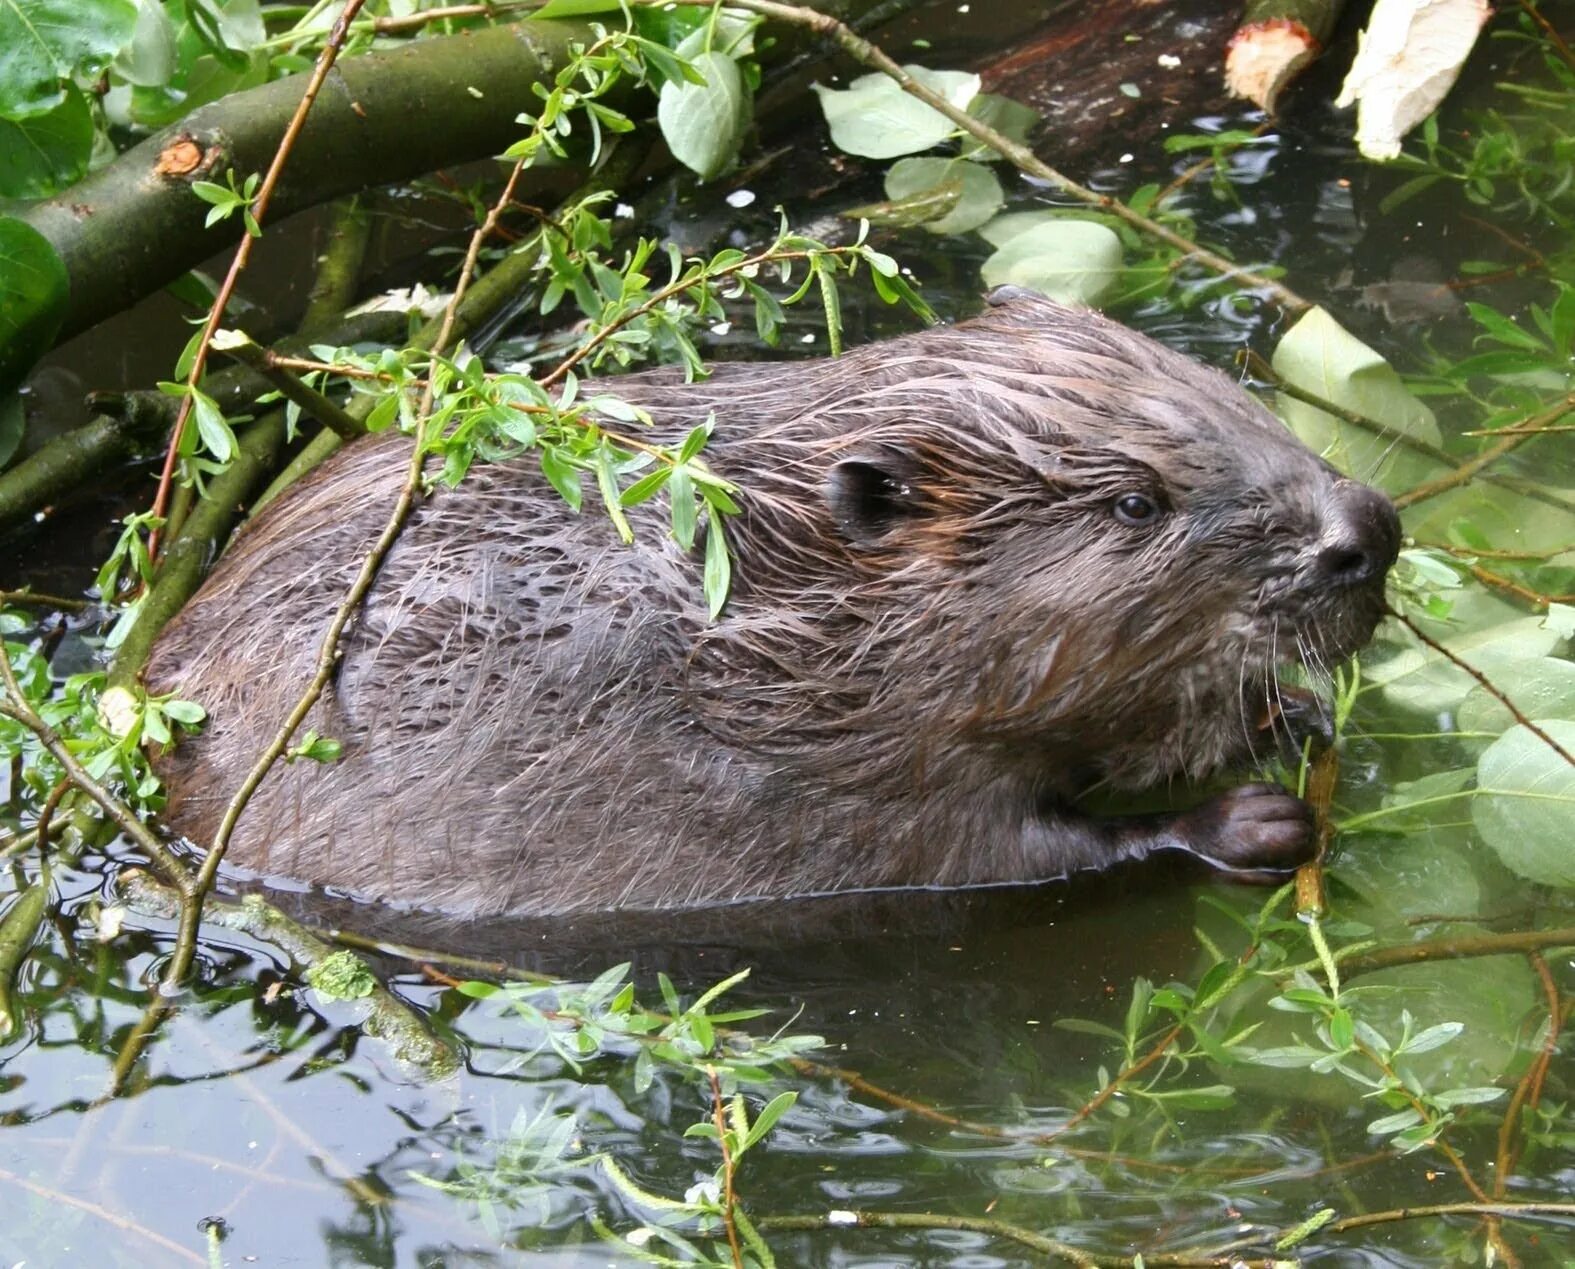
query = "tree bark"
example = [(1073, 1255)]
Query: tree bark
[(135, 225)]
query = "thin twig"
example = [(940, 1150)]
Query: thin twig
[(243, 252), (1510, 441), (658, 298), (1493, 1208), (1528, 1090), (328, 652), (1020, 156), (1262, 370), (34, 598), (1517, 941), (58, 1198), (17, 708), (719, 1117), (1486, 683), (1558, 41), (925, 1220)]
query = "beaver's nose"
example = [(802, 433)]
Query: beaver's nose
[(1361, 535)]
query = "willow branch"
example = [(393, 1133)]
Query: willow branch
[(1466, 470), (243, 252), (1020, 156), (1487, 684)]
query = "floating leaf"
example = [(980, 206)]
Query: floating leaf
[(149, 59), (1418, 678), (874, 118), (1074, 261), (703, 124), (1319, 356), (1011, 119), (979, 194), (1525, 806), (1543, 687)]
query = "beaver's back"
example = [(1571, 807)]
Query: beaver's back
[(503, 635)]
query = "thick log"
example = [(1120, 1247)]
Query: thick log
[(135, 225)]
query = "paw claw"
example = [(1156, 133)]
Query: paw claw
[(1254, 828)]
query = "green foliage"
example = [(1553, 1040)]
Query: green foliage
[(602, 1023), (1216, 148), (874, 118), (978, 191), (1525, 803), (40, 154), (33, 293), (227, 199), (1512, 162), (45, 43), (109, 732), (1319, 356), (1072, 260)]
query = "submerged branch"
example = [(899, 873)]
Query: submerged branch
[(385, 1017)]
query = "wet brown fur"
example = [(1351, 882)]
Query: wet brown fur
[(939, 633)]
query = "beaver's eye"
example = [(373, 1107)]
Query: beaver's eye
[(1135, 509)]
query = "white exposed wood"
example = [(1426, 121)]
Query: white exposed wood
[(1407, 61)]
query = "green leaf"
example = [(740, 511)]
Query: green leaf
[(646, 487), (1432, 1037), (607, 483), (831, 302), (1543, 687), (768, 1116), (1085, 1026), (1418, 678), (149, 60), (681, 498), (1466, 1096), (874, 118), (695, 441), (1499, 328), (212, 426), (43, 154), (562, 476), (1074, 261), (1525, 807), (1394, 1123), (1210, 1097), (187, 713), (979, 194), (1319, 356), (1011, 119), (718, 566), (34, 289), (703, 124), (44, 42)]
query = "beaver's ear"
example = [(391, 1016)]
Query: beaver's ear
[(873, 490)]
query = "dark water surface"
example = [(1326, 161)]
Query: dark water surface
[(262, 1107)]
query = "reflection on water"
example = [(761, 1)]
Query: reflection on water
[(268, 1111)]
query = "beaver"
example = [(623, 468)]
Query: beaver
[(978, 571)]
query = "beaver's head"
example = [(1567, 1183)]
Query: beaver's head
[(1045, 534)]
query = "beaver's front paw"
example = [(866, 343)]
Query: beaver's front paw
[(1257, 827)]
